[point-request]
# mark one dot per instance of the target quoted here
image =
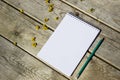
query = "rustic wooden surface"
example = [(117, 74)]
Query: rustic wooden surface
[(18, 27), (107, 11), (34, 8), (16, 64)]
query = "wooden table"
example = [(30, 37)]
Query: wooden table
[(18, 19)]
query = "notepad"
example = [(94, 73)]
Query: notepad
[(68, 44)]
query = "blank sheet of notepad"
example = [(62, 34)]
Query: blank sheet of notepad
[(68, 44)]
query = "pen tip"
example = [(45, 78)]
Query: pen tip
[(77, 76), (102, 39)]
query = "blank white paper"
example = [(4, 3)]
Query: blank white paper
[(68, 44)]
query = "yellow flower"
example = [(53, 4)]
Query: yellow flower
[(92, 10), (47, 1), (15, 43), (34, 44), (50, 9), (46, 19), (44, 27), (56, 18), (37, 27), (33, 38), (21, 10)]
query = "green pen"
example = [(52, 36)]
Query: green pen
[(90, 57)]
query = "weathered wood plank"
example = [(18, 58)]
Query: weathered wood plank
[(39, 10), (15, 64), (19, 28), (111, 44), (107, 11), (109, 51), (96, 72)]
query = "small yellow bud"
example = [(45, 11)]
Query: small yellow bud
[(33, 38), (15, 43), (37, 27), (44, 27), (47, 1), (56, 18), (92, 10), (34, 44), (21, 10), (46, 19), (50, 9)]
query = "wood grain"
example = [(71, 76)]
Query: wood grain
[(107, 11), (111, 44), (38, 9), (96, 72), (108, 51), (15, 64), (19, 28)]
